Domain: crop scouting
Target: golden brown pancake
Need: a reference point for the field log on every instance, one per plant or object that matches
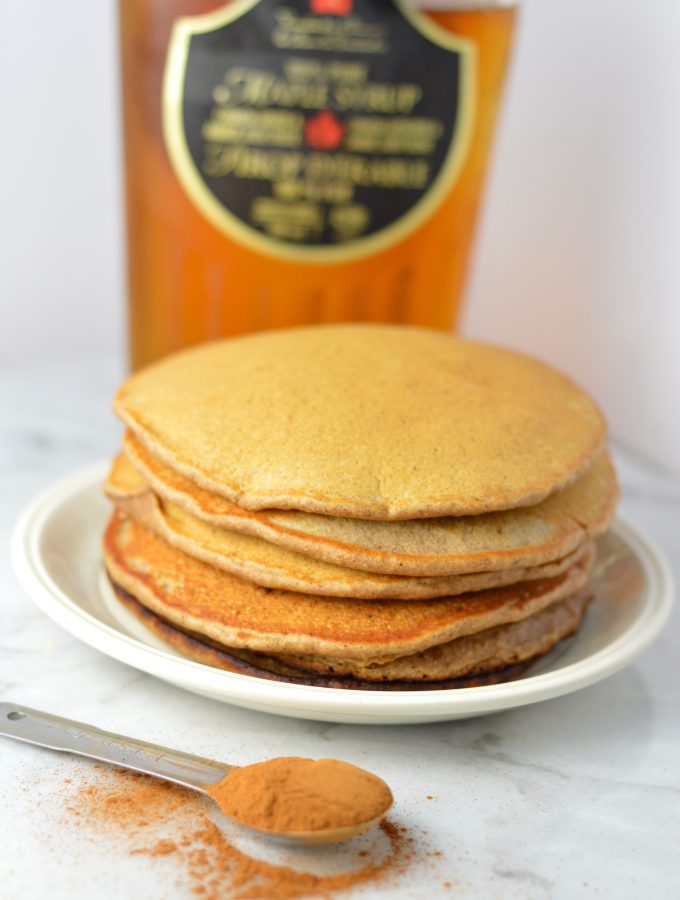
(200, 598)
(211, 654)
(271, 566)
(487, 650)
(364, 421)
(418, 547)
(487, 657)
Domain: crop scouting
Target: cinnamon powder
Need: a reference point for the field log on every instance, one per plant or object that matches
(294, 794)
(147, 817)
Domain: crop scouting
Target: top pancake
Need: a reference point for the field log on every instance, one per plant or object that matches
(366, 421)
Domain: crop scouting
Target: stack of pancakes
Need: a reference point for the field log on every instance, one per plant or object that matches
(366, 506)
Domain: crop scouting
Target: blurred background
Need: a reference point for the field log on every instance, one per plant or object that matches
(577, 258)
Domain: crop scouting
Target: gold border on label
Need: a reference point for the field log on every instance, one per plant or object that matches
(218, 215)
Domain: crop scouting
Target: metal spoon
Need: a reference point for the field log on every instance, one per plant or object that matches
(195, 772)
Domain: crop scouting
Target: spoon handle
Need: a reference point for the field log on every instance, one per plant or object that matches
(45, 730)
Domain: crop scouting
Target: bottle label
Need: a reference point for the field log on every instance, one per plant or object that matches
(318, 130)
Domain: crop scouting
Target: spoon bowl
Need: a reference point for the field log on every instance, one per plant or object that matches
(323, 836)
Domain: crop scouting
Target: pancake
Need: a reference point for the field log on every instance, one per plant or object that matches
(418, 547)
(275, 567)
(364, 421)
(200, 598)
(483, 656)
(487, 650)
(211, 654)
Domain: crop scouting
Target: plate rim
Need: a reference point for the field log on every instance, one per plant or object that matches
(36, 581)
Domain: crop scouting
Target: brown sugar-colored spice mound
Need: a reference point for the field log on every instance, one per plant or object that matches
(293, 794)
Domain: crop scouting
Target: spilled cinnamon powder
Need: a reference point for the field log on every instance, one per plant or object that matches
(147, 817)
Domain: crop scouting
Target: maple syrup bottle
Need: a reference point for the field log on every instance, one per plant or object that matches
(299, 161)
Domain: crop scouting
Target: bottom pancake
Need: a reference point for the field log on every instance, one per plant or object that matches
(548, 629)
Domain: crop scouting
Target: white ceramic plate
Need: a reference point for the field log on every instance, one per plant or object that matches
(56, 555)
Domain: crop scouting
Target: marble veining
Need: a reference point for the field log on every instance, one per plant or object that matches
(574, 797)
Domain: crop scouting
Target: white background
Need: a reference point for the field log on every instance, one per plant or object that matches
(578, 258)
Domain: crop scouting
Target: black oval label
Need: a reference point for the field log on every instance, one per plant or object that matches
(317, 129)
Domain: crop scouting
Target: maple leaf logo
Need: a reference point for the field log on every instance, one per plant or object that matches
(330, 7)
(324, 131)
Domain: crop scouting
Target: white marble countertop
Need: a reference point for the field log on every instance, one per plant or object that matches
(575, 797)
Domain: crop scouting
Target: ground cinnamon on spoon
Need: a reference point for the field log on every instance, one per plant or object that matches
(294, 794)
